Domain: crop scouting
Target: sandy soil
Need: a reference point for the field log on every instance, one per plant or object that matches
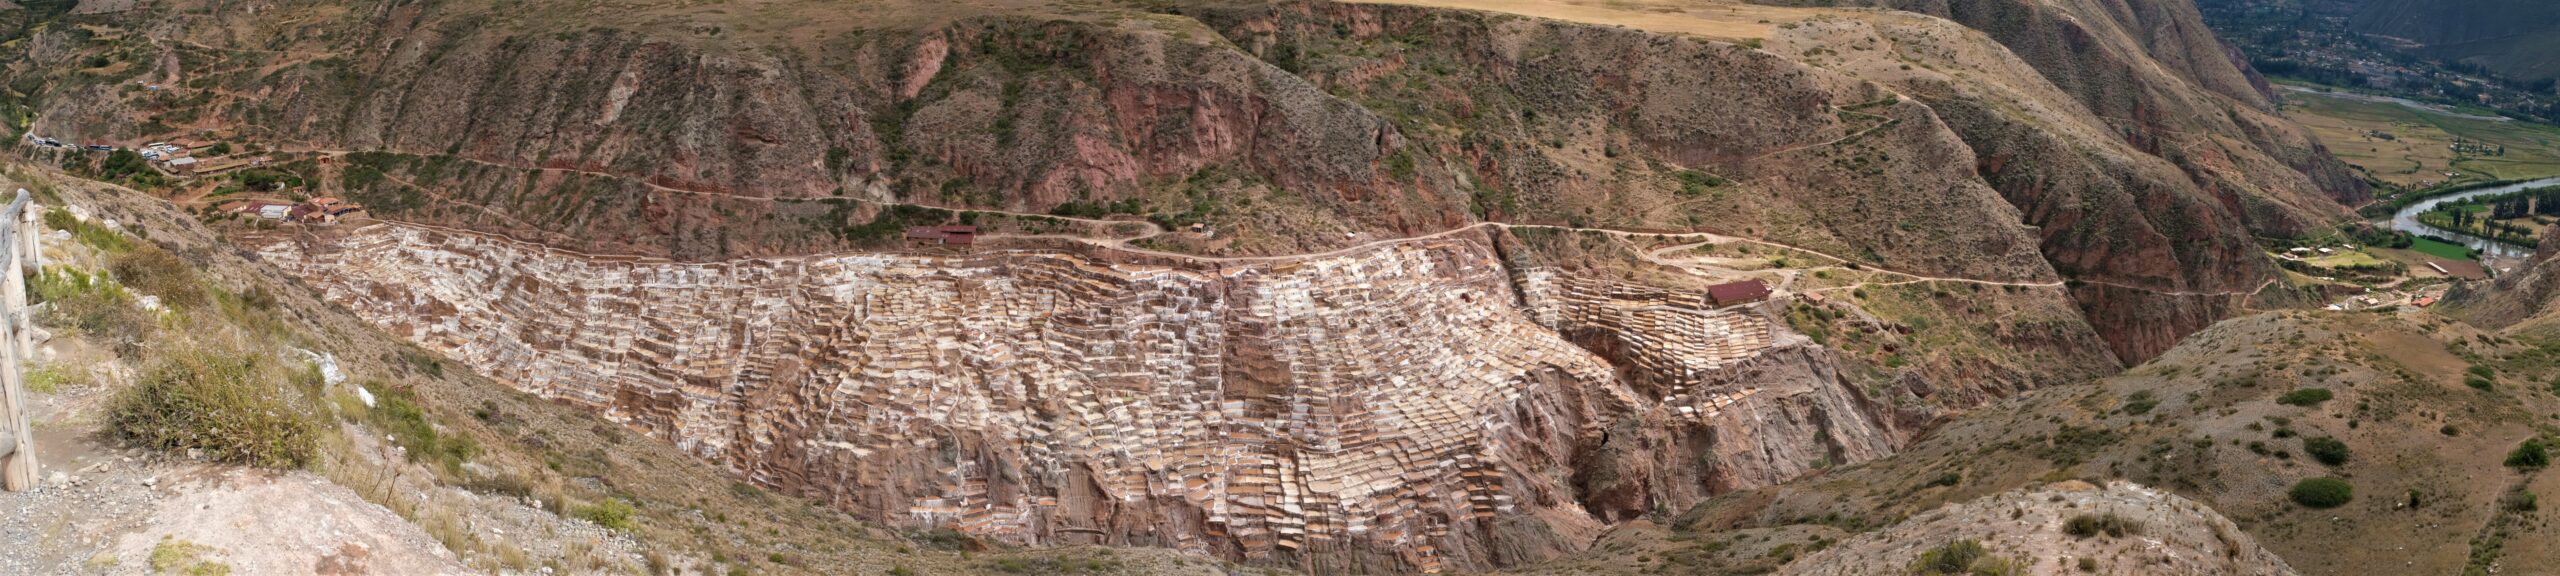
(105, 511)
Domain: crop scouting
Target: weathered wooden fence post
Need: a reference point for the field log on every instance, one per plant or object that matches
(18, 467)
(30, 246)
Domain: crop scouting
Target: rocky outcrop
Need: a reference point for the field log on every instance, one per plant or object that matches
(2517, 301)
(1390, 409)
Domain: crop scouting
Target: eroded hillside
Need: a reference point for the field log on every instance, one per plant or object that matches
(1339, 287)
(2421, 419)
(2144, 157)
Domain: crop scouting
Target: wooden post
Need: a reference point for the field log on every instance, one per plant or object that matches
(18, 470)
(30, 261)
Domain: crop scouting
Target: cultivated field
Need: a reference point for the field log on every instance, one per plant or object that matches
(2419, 152)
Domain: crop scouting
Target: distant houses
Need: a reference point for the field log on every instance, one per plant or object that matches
(316, 211)
(267, 210)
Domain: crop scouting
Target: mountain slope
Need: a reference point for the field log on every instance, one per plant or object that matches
(2130, 530)
(2221, 420)
(2147, 155)
(2510, 37)
(1336, 287)
(743, 136)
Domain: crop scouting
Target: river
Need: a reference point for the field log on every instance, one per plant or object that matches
(2407, 219)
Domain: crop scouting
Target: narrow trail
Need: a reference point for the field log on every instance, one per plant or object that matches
(1153, 230)
(653, 185)
(1850, 137)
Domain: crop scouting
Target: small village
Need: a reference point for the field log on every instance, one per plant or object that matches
(199, 165)
(2354, 277)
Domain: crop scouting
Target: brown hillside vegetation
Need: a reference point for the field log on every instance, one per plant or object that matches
(2066, 527)
(2224, 420)
(2145, 155)
(711, 131)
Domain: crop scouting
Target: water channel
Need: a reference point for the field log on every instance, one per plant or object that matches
(2407, 219)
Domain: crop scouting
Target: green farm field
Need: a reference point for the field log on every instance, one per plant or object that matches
(2419, 151)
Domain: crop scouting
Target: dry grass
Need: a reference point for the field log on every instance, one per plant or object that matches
(230, 406)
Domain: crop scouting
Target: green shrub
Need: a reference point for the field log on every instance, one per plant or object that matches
(2479, 383)
(226, 405)
(2322, 492)
(2305, 397)
(1694, 183)
(157, 272)
(93, 307)
(942, 539)
(2530, 455)
(129, 168)
(89, 233)
(611, 513)
(2139, 403)
(1962, 557)
(422, 361)
(50, 378)
(2327, 450)
(185, 558)
(2520, 501)
(2074, 444)
(396, 412)
(2110, 524)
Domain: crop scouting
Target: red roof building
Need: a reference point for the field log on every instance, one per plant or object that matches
(1733, 293)
(948, 235)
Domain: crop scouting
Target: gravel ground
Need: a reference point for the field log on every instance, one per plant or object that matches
(103, 511)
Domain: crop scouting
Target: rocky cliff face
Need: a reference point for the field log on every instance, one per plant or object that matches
(2222, 420)
(1389, 409)
(1284, 129)
(2122, 130)
(2145, 160)
(2519, 301)
(1324, 121)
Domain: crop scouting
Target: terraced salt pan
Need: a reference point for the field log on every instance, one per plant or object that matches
(1373, 397)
